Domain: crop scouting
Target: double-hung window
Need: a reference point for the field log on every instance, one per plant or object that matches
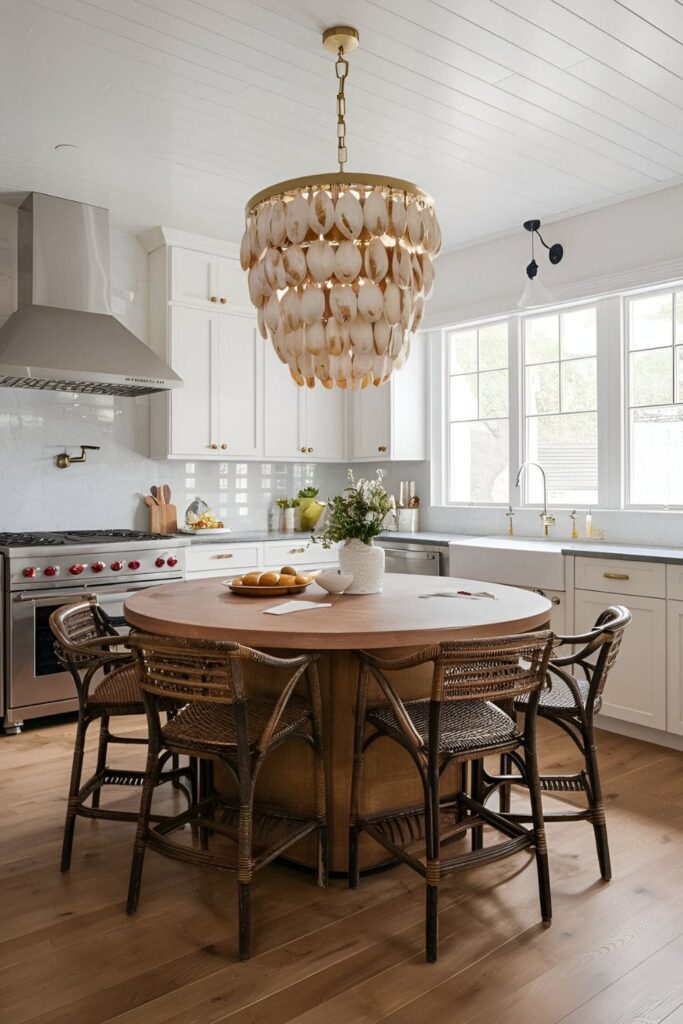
(654, 398)
(477, 433)
(560, 405)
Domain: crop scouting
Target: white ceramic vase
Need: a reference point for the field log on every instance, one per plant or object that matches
(365, 563)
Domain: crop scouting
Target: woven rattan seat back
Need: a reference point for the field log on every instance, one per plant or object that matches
(74, 626)
(191, 670)
(498, 670)
(597, 649)
(181, 672)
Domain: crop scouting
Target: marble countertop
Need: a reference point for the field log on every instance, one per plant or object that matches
(587, 548)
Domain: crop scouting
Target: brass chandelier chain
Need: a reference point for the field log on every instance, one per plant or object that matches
(342, 69)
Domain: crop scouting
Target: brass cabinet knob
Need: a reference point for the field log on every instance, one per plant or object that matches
(382, 448)
(224, 446)
(223, 299)
(303, 450)
(214, 298)
(309, 449)
(213, 445)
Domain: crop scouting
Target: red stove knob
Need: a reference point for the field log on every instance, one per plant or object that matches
(117, 566)
(98, 566)
(172, 560)
(29, 572)
(51, 570)
(76, 570)
(134, 564)
(159, 562)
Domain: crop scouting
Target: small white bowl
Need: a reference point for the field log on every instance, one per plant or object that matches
(334, 581)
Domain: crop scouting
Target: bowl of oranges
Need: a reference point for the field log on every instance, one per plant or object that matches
(270, 584)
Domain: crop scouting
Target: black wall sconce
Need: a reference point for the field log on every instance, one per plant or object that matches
(534, 293)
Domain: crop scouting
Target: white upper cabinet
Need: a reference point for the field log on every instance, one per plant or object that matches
(371, 423)
(389, 421)
(213, 346)
(191, 417)
(237, 387)
(323, 423)
(301, 423)
(281, 428)
(206, 279)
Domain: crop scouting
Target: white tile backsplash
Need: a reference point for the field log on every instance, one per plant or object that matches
(107, 492)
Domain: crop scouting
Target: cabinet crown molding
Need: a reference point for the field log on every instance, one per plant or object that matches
(155, 238)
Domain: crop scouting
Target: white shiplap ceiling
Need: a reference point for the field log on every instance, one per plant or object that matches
(181, 109)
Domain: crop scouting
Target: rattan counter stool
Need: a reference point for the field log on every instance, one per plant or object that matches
(217, 721)
(577, 680)
(106, 679)
(458, 724)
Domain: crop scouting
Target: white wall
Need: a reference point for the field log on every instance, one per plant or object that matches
(628, 245)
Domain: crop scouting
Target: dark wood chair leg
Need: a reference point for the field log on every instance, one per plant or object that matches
(432, 829)
(101, 756)
(204, 789)
(596, 805)
(140, 844)
(74, 787)
(244, 911)
(540, 844)
(432, 923)
(505, 789)
(477, 779)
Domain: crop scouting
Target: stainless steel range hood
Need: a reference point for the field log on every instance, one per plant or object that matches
(63, 336)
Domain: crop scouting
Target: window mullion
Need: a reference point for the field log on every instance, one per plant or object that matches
(611, 421)
(515, 420)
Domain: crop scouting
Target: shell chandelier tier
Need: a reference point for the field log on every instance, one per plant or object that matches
(340, 265)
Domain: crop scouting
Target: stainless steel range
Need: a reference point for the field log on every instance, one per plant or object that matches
(41, 571)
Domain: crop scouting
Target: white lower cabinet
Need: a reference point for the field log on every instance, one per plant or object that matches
(216, 559)
(209, 559)
(674, 666)
(636, 689)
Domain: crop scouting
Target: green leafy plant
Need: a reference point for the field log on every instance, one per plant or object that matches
(308, 492)
(358, 513)
(287, 502)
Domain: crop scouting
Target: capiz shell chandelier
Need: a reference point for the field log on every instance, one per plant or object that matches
(340, 265)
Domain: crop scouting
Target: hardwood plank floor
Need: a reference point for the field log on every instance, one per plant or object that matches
(68, 953)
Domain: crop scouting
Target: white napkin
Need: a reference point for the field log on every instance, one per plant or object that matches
(295, 606)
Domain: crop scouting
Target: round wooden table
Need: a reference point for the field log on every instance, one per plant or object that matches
(397, 618)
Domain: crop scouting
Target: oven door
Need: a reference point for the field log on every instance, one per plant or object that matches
(34, 674)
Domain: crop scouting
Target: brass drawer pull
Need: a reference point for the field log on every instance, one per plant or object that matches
(381, 448)
(229, 555)
(616, 576)
(297, 551)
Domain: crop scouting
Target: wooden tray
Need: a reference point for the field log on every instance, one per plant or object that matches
(294, 588)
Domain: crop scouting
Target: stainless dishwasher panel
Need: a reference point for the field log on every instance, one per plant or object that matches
(414, 559)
